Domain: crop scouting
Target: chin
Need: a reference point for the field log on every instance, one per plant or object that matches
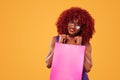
(72, 34)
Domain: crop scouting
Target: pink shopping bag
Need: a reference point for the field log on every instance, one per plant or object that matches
(67, 62)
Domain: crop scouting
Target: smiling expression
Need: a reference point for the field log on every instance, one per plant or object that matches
(73, 27)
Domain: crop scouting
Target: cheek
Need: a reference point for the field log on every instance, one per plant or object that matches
(77, 31)
(68, 28)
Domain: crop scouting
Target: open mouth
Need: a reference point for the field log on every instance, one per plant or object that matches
(72, 30)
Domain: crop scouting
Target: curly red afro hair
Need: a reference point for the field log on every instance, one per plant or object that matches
(85, 20)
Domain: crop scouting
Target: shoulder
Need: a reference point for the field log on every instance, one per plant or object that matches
(53, 41)
(88, 47)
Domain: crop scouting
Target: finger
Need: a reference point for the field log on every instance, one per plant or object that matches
(67, 36)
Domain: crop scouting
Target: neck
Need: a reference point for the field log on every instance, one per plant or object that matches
(72, 35)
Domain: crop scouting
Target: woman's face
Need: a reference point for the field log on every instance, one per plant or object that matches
(73, 27)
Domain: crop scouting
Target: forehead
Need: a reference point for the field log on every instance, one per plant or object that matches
(74, 21)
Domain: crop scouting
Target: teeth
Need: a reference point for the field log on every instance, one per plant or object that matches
(72, 29)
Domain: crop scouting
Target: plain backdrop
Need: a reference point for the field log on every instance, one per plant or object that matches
(26, 29)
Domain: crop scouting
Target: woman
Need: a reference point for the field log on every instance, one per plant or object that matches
(75, 26)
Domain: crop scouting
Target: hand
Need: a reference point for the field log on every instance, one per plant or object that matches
(63, 38)
(78, 40)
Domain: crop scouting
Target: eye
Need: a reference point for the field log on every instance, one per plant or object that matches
(71, 24)
(77, 27)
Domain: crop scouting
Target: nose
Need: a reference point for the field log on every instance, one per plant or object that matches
(73, 25)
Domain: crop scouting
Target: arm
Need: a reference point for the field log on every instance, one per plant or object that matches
(52, 45)
(87, 58)
(50, 54)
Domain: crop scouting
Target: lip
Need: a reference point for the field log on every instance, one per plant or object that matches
(71, 29)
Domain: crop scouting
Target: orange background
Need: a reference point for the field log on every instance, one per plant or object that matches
(27, 26)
